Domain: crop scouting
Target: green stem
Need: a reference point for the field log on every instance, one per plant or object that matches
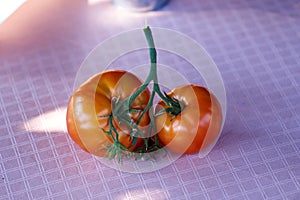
(153, 70)
(149, 105)
(121, 109)
(175, 106)
(111, 126)
(152, 76)
(149, 37)
(131, 99)
(153, 56)
(160, 94)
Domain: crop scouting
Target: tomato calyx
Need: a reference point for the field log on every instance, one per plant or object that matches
(176, 105)
(117, 149)
(121, 111)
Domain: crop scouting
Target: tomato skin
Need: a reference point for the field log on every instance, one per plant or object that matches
(94, 99)
(201, 118)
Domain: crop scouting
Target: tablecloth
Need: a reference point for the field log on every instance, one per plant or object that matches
(255, 45)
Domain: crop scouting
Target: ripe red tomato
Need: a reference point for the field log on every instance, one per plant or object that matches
(93, 101)
(200, 118)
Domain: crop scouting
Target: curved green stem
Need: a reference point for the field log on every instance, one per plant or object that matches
(153, 73)
(149, 105)
(152, 76)
(160, 94)
(112, 128)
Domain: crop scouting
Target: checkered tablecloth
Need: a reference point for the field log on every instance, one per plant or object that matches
(256, 46)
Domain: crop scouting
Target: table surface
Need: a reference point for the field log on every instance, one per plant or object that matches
(255, 45)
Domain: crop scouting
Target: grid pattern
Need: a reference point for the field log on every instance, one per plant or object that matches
(255, 44)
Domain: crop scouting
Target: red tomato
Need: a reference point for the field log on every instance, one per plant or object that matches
(93, 100)
(200, 118)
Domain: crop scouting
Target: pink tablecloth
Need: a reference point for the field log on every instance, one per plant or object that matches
(255, 45)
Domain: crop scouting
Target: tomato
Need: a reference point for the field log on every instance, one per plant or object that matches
(199, 119)
(92, 103)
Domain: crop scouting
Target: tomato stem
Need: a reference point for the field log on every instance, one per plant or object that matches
(175, 105)
(112, 128)
(121, 109)
(152, 76)
(149, 105)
